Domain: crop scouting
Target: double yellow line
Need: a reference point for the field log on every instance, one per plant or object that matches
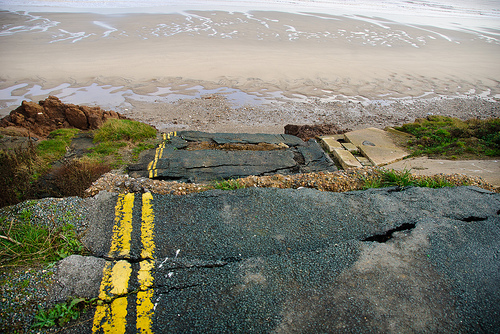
(153, 172)
(110, 316)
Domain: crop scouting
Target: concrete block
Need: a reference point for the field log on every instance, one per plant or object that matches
(376, 145)
(364, 161)
(345, 158)
(330, 143)
(350, 147)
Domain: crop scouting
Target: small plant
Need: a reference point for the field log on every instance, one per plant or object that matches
(391, 178)
(228, 185)
(61, 313)
(22, 242)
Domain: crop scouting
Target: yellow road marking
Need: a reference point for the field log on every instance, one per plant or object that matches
(122, 230)
(111, 317)
(145, 307)
(145, 295)
(148, 246)
(153, 172)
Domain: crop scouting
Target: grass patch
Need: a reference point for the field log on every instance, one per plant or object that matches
(54, 147)
(392, 178)
(228, 185)
(24, 243)
(142, 147)
(124, 129)
(22, 167)
(61, 313)
(28, 173)
(120, 141)
(440, 136)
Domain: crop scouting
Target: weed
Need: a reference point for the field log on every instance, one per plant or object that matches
(25, 215)
(17, 174)
(451, 137)
(22, 242)
(391, 178)
(74, 177)
(228, 185)
(61, 313)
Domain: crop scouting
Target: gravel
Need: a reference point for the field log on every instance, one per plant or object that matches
(24, 289)
(339, 181)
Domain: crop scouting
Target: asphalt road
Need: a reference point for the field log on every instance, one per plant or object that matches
(290, 261)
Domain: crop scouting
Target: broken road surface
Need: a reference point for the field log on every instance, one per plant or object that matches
(286, 261)
(230, 155)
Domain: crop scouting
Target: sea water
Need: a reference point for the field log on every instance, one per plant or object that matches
(426, 22)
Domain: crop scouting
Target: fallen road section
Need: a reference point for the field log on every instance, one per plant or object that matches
(194, 156)
(290, 260)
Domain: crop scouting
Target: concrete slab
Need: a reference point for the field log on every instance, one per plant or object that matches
(345, 158)
(364, 161)
(376, 145)
(350, 147)
(489, 170)
(338, 137)
(330, 143)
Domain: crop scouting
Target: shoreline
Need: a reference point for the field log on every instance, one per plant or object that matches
(235, 71)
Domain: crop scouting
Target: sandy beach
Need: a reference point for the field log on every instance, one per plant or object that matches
(249, 71)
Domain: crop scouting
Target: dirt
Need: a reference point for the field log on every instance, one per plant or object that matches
(306, 132)
(207, 145)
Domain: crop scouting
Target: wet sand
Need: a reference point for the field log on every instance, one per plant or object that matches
(311, 68)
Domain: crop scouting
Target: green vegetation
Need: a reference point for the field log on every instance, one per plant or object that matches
(143, 147)
(61, 313)
(448, 137)
(391, 178)
(54, 147)
(118, 142)
(20, 168)
(77, 175)
(123, 129)
(116, 136)
(228, 185)
(22, 242)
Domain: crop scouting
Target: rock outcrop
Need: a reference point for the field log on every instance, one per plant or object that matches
(50, 114)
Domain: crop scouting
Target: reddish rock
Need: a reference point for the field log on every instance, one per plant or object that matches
(76, 117)
(50, 114)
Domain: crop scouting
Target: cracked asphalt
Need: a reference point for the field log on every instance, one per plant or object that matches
(290, 261)
(285, 154)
